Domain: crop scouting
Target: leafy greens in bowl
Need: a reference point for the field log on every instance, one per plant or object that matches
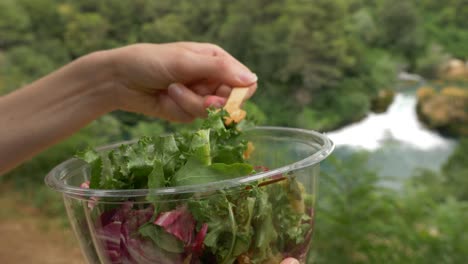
(220, 194)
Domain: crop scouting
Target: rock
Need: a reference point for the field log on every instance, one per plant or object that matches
(454, 69)
(382, 101)
(409, 77)
(425, 93)
(446, 111)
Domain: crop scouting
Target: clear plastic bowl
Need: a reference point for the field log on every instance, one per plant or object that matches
(277, 221)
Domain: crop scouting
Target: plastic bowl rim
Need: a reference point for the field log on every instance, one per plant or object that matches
(326, 149)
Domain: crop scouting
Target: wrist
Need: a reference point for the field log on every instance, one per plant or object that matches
(98, 73)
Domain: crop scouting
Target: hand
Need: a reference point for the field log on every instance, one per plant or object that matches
(171, 81)
(176, 81)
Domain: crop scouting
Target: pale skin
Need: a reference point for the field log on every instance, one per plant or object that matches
(174, 81)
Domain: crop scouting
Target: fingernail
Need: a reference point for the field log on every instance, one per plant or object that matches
(218, 103)
(176, 89)
(248, 77)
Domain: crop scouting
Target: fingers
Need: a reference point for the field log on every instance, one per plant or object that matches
(205, 48)
(224, 70)
(252, 89)
(210, 62)
(192, 103)
(171, 110)
(186, 99)
(158, 105)
(223, 91)
(204, 88)
(214, 101)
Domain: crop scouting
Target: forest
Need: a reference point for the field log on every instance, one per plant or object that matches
(321, 65)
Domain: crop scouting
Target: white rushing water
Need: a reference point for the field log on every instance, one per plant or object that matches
(399, 123)
(399, 143)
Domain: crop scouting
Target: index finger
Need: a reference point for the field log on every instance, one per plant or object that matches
(218, 53)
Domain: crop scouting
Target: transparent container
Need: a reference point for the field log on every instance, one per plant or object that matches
(259, 218)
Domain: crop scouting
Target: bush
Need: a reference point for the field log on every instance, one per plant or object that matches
(255, 113)
(320, 121)
(15, 24)
(143, 128)
(352, 107)
(22, 65)
(359, 221)
(428, 65)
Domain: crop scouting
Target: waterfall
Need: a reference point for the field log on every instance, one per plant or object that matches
(399, 123)
(399, 143)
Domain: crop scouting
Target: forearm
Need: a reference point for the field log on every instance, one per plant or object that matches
(52, 108)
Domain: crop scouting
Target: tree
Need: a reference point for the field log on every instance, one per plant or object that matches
(318, 48)
(446, 23)
(86, 32)
(168, 28)
(22, 65)
(15, 25)
(401, 29)
(45, 20)
(456, 171)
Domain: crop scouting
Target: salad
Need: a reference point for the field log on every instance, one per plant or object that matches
(261, 222)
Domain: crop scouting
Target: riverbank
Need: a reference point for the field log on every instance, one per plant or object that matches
(30, 236)
(444, 111)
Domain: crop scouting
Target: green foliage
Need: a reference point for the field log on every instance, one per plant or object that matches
(445, 23)
(255, 113)
(305, 53)
(333, 110)
(429, 64)
(161, 238)
(401, 28)
(319, 63)
(363, 24)
(352, 211)
(456, 171)
(212, 151)
(23, 65)
(15, 24)
(320, 121)
(359, 221)
(143, 128)
(86, 32)
(45, 20)
(168, 28)
(382, 71)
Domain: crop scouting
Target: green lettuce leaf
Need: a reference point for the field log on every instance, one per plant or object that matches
(156, 177)
(265, 232)
(95, 163)
(161, 238)
(194, 172)
(210, 154)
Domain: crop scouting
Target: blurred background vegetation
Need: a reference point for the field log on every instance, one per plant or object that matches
(322, 64)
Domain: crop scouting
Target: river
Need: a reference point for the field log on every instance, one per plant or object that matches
(399, 143)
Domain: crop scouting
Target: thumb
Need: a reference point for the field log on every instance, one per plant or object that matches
(222, 69)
